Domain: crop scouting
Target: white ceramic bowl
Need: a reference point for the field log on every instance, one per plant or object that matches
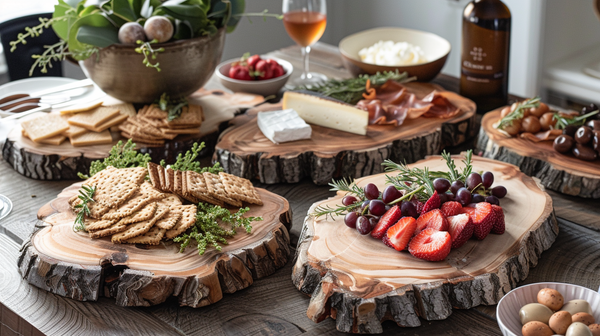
(507, 311)
(262, 87)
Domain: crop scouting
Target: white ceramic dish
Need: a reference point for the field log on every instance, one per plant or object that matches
(34, 84)
(507, 311)
(261, 87)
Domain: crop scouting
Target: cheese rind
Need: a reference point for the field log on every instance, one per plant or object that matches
(283, 126)
(327, 113)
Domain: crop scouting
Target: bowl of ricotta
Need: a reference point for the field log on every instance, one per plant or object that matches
(419, 53)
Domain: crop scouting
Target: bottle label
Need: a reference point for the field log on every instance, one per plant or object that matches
(484, 54)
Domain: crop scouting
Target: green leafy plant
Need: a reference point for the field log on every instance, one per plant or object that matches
(120, 156)
(519, 112)
(86, 195)
(174, 107)
(563, 121)
(188, 161)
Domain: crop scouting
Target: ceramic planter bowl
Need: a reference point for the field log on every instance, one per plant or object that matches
(261, 87)
(436, 50)
(186, 65)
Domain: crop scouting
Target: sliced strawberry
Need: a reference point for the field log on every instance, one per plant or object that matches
(433, 202)
(418, 205)
(400, 233)
(431, 244)
(432, 219)
(469, 210)
(460, 229)
(498, 226)
(451, 208)
(388, 219)
(483, 220)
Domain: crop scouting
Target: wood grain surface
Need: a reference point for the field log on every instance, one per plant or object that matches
(560, 172)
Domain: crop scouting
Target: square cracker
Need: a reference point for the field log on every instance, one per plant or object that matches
(178, 182)
(169, 220)
(81, 108)
(146, 213)
(240, 188)
(170, 131)
(170, 180)
(170, 200)
(196, 186)
(98, 224)
(97, 210)
(44, 127)
(135, 175)
(216, 188)
(154, 112)
(94, 118)
(120, 118)
(188, 219)
(74, 131)
(139, 228)
(125, 108)
(55, 140)
(111, 230)
(153, 173)
(91, 138)
(152, 237)
(145, 195)
(190, 117)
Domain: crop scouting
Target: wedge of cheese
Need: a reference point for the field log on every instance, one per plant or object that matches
(327, 113)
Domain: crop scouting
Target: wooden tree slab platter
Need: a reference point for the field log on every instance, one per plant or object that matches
(560, 172)
(71, 264)
(244, 151)
(63, 162)
(360, 282)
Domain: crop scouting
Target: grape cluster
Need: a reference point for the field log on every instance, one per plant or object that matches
(375, 204)
(478, 188)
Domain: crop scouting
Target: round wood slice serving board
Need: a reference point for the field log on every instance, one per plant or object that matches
(560, 172)
(71, 264)
(63, 162)
(360, 282)
(243, 150)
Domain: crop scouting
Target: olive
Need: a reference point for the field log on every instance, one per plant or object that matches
(158, 28)
(131, 32)
(505, 111)
(590, 108)
(563, 143)
(547, 121)
(513, 128)
(583, 135)
(531, 124)
(584, 153)
(570, 130)
(596, 141)
(593, 124)
(540, 110)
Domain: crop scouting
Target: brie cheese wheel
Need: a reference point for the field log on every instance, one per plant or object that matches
(283, 126)
(327, 113)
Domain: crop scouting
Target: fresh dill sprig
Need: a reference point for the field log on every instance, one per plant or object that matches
(519, 112)
(86, 195)
(120, 156)
(188, 161)
(208, 232)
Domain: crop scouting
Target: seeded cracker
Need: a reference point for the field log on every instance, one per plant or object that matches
(152, 237)
(240, 188)
(161, 178)
(145, 195)
(170, 180)
(170, 200)
(115, 228)
(139, 228)
(44, 127)
(178, 182)
(184, 189)
(169, 220)
(97, 210)
(153, 173)
(188, 218)
(196, 186)
(154, 112)
(216, 188)
(146, 213)
(98, 224)
(112, 193)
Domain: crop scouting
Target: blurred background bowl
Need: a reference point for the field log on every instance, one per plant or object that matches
(261, 87)
(186, 65)
(507, 311)
(435, 48)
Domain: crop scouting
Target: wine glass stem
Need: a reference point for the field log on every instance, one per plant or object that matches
(305, 52)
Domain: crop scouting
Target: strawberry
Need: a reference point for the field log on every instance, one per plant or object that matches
(400, 233)
(432, 219)
(431, 244)
(499, 226)
(252, 60)
(388, 219)
(469, 210)
(418, 205)
(451, 208)
(433, 202)
(483, 220)
(240, 72)
(460, 229)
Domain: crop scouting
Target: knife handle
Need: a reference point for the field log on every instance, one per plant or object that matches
(12, 97)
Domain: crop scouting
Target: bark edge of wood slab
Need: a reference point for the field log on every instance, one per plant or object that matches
(563, 173)
(70, 264)
(244, 151)
(364, 283)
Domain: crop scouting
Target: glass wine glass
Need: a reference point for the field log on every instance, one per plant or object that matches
(305, 22)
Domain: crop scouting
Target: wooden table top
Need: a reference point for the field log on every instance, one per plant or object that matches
(271, 306)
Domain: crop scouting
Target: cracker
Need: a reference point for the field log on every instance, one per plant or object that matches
(91, 138)
(98, 224)
(161, 177)
(139, 133)
(190, 117)
(178, 182)
(169, 136)
(97, 210)
(216, 188)
(94, 118)
(240, 188)
(125, 108)
(55, 140)
(169, 220)
(170, 200)
(113, 194)
(153, 173)
(74, 131)
(170, 180)
(127, 127)
(81, 108)
(139, 228)
(152, 237)
(44, 127)
(196, 186)
(167, 131)
(99, 176)
(154, 112)
(145, 195)
(146, 213)
(120, 118)
(115, 228)
(154, 122)
(188, 219)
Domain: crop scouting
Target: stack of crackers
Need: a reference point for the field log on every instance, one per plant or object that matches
(218, 189)
(84, 126)
(151, 126)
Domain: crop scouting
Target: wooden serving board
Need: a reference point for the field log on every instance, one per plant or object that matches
(48, 162)
(360, 282)
(244, 151)
(71, 264)
(560, 172)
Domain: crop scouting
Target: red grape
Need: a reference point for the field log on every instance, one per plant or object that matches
(373, 220)
(363, 225)
(492, 200)
(463, 195)
(409, 209)
(350, 219)
(477, 198)
(473, 180)
(487, 179)
(456, 185)
(377, 207)
(348, 199)
(499, 191)
(390, 193)
(441, 185)
(371, 191)
(443, 198)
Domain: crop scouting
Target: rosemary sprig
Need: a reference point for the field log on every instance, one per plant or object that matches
(351, 90)
(208, 232)
(452, 172)
(409, 179)
(468, 161)
(86, 195)
(146, 49)
(120, 156)
(188, 161)
(348, 186)
(518, 113)
(563, 121)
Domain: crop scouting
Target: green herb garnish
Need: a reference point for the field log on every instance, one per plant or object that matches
(519, 112)
(174, 107)
(149, 53)
(188, 161)
(351, 90)
(120, 156)
(207, 231)
(563, 121)
(86, 195)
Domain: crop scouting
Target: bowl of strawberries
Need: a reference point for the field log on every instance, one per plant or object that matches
(254, 74)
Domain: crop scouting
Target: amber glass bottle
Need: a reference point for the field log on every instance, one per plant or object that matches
(484, 55)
